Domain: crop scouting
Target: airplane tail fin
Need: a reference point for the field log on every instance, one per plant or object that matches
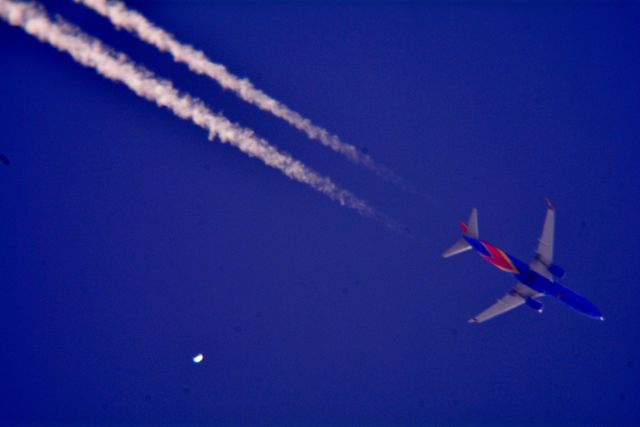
(470, 229)
(472, 225)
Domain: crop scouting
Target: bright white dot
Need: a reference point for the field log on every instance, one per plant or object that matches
(198, 358)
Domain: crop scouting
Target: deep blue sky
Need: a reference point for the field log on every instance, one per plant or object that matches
(129, 243)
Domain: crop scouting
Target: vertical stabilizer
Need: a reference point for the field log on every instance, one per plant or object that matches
(472, 225)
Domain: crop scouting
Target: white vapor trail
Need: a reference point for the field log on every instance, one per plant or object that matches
(117, 67)
(134, 22)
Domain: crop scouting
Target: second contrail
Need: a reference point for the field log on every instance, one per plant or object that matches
(116, 66)
(136, 23)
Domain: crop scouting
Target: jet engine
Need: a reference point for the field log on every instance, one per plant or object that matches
(556, 270)
(535, 304)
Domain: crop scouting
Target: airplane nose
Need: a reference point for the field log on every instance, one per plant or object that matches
(581, 304)
(595, 313)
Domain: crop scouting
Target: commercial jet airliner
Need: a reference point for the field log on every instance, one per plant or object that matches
(533, 281)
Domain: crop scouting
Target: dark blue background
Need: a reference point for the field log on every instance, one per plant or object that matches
(129, 243)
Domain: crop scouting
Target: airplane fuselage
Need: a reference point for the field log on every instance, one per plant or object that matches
(525, 275)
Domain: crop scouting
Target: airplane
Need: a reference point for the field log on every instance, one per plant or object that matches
(533, 280)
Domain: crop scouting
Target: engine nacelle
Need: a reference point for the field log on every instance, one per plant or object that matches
(535, 304)
(556, 270)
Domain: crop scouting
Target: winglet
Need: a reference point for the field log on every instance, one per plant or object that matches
(549, 204)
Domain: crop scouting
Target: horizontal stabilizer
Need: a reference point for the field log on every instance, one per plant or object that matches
(457, 248)
(469, 229)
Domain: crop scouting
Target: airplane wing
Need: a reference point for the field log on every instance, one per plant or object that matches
(544, 252)
(509, 301)
(512, 299)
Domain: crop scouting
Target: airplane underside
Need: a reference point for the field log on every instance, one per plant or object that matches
(542, 286)
(534, 280)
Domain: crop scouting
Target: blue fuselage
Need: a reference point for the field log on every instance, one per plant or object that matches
(525, 275)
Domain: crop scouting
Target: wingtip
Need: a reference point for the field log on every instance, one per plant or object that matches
(602, 318)
(549, 204)
(473, 320)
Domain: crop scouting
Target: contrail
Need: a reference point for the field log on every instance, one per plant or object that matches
(117, 67)
(198, 62)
